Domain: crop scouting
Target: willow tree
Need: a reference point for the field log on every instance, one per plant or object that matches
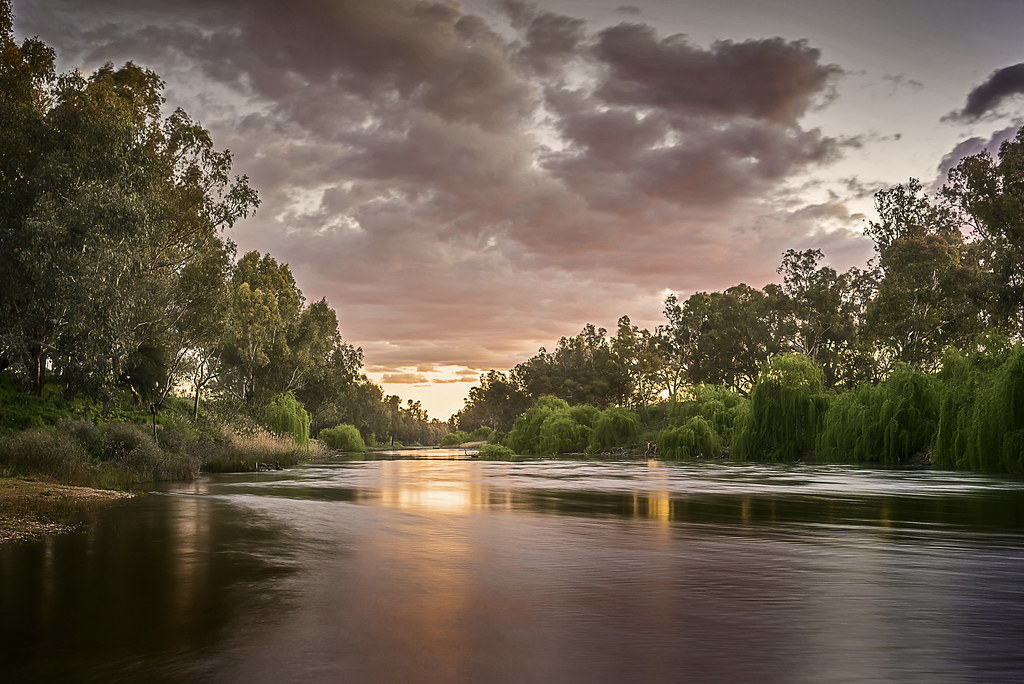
(785, 405)
(285, 415)
(888, 423)
(981, 417)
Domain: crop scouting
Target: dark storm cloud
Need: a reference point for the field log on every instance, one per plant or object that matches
(997, 89)
(463, 194)
(973, 146)
(769, 79)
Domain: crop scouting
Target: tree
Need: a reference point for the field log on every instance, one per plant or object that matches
(826, 315)
(637, 352)
(583, 369)
(265, 304)
(495, 402)
(924, 300)
(109, 208)
(988, 197)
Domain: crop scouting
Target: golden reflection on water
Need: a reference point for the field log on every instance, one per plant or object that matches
(434, 485)
(655, 503)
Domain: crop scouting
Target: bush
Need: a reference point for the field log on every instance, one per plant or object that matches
(46, 451)
(343, 438)
(482, 433)
(496, 452)
(455, 438)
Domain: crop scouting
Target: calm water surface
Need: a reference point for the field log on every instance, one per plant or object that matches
(459, 570)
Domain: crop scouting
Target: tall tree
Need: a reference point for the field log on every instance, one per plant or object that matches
(988, 196)
(110, 208)
(924, 300)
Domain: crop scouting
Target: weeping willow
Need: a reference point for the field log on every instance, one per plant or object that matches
(524, 437)
(786, 403)
(343, 438)
(981, 416)
(615, 426)
(695, 438)
(285, 415)
(886, 424)
(561, 434)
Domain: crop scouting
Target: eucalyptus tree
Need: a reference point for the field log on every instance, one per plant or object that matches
(112, 211)
(637, 352)
(827, 315)
(583, 369)
(925, 299)
(495, 402)
(987, 195)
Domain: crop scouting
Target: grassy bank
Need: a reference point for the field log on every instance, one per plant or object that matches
(31, 508)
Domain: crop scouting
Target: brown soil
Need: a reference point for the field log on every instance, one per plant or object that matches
(29, 508)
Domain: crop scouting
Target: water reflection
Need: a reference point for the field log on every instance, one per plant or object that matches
(441, 570)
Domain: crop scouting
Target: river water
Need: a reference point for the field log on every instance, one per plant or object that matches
(429, 567)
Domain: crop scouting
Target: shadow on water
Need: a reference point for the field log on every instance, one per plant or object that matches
(141, 594)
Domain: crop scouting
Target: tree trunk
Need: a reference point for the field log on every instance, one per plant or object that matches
(38, 370)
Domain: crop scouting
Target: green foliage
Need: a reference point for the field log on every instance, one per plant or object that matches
(120, 455)
(981, 419)
(551, 426)
(695, 438)
(496, 452)
(285, 415)
(482, 433)
(887, 423)
(524, 438)
(455, 438)
(343, 438)
(615, 427)
(716, 404)
(561, 434)
(785, 405)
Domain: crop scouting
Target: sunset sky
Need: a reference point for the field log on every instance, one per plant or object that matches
(466, 182)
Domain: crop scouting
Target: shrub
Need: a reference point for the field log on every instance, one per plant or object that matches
(496, 452)
(44, 451)
(482, 433)
(343, 438)
(455, 438)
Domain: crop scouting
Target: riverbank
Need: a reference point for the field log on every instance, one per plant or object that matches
(32, 508)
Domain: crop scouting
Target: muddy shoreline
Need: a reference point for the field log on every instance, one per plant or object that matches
(30, 508)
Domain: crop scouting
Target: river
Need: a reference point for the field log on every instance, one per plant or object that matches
(430, 567)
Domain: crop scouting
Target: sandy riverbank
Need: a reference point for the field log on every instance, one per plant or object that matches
(32, 509)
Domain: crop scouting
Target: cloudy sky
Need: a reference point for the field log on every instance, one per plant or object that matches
(466, 182)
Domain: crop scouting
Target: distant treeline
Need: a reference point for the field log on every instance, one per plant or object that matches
(117, 282)
(917, 354)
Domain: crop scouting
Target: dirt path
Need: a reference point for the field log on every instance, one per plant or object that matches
(31, 509)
